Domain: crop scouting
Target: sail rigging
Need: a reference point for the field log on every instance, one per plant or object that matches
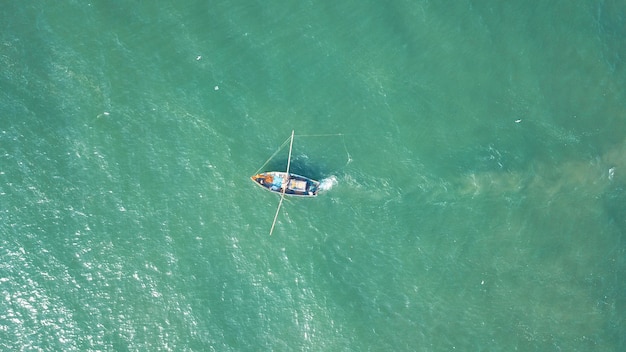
(285, 183)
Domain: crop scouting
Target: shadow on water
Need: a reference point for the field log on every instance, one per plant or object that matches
(299, 165)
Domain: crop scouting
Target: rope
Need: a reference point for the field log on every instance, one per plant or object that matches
(321, 135)
(347, 152)
(273, 155)
(343, 139)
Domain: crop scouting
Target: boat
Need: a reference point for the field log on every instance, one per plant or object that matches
(289, 184)
(286, 183)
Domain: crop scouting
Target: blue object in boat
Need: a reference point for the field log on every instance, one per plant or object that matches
(277, 182)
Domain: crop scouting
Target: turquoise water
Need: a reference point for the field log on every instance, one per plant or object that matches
(478, 148)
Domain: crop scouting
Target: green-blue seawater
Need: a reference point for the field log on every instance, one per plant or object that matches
(479, 149)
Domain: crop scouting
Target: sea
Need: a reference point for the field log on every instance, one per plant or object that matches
(474, 153)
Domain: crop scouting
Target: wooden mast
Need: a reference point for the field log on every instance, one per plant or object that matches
(285, 184)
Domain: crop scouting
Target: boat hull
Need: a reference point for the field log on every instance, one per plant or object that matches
(293, 185)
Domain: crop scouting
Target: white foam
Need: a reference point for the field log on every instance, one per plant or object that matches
(328, 183)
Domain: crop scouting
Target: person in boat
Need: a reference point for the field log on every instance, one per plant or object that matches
(265, 179)
(276, 183)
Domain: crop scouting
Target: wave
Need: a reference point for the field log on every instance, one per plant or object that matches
(328, 183)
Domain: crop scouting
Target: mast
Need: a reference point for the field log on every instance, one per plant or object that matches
(286, 183)
(289, 158)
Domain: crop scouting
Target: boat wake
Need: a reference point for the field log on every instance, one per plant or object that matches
(328, 183)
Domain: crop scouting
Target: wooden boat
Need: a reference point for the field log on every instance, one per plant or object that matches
(289, 184)
(286, 184)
